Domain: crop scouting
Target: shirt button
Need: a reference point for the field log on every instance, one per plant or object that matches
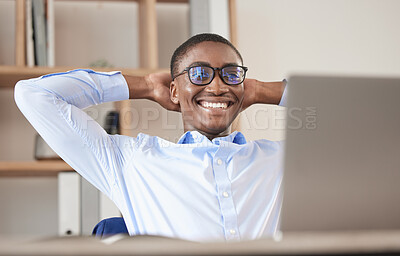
(225, 194)
(232, 231)
(219, 161)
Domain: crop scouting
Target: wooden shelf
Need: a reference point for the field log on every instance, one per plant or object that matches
(10, 75)
(34, 168)
(158, 1)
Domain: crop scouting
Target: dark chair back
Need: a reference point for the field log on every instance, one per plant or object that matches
(109, 227)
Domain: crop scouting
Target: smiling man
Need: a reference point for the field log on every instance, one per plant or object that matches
(211, 185)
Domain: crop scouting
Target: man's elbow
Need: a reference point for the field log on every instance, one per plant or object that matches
(23, 93)
(20, 93)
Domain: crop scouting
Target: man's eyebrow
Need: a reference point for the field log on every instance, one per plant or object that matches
(231, 64)
(200, 63)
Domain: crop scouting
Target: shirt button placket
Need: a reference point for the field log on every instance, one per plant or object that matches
(225, 198)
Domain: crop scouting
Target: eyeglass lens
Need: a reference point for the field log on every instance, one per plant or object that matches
(202, 75)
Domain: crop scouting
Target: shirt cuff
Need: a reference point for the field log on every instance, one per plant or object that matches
(114, 87)
(282, 103)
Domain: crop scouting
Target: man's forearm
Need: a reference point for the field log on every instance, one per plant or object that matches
(138, 87)
(270, 92)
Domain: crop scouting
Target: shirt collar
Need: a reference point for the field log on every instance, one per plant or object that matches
(190, 137)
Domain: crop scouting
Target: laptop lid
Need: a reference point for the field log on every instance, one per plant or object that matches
(342, 160)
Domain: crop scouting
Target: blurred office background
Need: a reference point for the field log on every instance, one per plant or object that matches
(276, 39)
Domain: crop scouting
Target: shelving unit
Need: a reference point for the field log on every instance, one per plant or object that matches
(34, 168)
(9, 75)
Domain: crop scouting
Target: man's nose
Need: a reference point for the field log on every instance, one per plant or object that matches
(217, 86)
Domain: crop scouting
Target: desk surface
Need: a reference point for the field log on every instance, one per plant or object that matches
(305, 243)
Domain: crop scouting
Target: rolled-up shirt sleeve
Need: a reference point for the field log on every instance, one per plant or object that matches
(53, 105)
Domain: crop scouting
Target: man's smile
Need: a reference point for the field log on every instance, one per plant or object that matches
(215, 104)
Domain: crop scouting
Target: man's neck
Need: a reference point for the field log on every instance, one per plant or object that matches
(211, 136)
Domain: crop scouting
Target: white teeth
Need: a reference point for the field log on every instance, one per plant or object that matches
(214, 105)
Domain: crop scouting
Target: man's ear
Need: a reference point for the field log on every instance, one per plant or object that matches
(174, 92)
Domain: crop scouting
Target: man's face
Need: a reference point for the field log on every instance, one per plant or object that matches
(199, 104)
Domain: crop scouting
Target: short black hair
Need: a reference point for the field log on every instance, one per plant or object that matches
(193, 41)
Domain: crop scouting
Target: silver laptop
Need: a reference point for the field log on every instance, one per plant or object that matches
(342, 161)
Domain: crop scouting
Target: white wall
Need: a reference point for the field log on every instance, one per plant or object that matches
(280, 38)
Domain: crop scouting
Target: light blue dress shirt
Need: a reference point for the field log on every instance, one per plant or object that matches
(226, 189)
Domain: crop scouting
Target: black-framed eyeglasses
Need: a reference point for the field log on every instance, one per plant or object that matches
(203, 75)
